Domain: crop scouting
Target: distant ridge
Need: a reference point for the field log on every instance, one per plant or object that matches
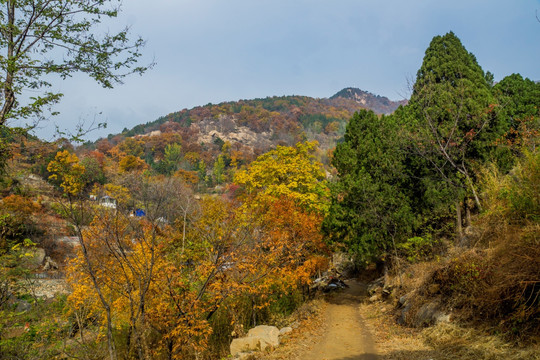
(258, 125)
(379, 104)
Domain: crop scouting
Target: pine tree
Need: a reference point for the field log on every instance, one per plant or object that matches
(451, 115)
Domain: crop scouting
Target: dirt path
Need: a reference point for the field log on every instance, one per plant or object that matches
(342, 334)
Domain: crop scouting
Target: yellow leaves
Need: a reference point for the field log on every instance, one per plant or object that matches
(117, 192)
(286, 172)
(66, 169)
(131, 163)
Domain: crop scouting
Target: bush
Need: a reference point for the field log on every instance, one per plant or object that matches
(418, 248)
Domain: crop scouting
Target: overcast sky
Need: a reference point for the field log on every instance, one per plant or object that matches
(225, 50)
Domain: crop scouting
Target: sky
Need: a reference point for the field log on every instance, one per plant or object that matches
(211, 51)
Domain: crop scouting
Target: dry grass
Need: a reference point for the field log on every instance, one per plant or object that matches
(409, 277)
(449, 341)
(392, 341)
(453, 341)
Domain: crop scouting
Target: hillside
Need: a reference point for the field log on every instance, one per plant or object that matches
(262, 123)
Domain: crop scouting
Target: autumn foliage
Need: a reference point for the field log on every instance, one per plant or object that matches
(158, 284)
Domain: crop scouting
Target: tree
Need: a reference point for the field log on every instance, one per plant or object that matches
(519, 117)
(218, 170)
(287, 172)
(68, 172)
(451, 114)
(131, 163)
(51, 37)
(371, 206)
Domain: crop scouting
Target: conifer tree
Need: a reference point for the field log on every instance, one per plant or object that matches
(451, 115)
(370, 207)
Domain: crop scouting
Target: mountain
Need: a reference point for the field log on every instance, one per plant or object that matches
(249, 127)
(379, 104)
(258, 124)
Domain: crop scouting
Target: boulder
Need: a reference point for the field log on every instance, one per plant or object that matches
(375, 286)
(269, 334)
(426, 314)
(38, 256)
(246, 344)
(404, 316)
(327, 283)
(403, 299)
(442, 318)
(430, 314)
(260, 338)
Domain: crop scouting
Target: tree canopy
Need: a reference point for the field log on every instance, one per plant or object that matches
(41, 38)
(370, 201)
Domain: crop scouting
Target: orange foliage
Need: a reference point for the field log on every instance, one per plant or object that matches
(131, 163)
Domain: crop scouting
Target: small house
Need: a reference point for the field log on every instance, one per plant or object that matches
(108, 202)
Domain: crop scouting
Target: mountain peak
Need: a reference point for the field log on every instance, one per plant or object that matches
(379, 104)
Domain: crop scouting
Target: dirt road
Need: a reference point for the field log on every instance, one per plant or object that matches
(342, 334)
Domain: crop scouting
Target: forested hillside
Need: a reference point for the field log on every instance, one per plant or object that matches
(169, 240)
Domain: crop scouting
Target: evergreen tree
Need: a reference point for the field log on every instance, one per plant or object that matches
(519, 118)
(450, 115)
(370, 207)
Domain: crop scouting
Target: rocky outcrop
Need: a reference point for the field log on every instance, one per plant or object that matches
(427, 314)
(49, 264)
(225, 127)
(379, 104)
(261, 338)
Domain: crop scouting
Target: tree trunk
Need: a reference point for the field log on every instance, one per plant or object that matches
(110, 340)
(9, 95)
(468, 221)
(459, 227)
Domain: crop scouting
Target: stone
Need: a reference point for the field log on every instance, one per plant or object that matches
(270, 334)
(427, 314)
(246, 344)
(442, 318)
(265, 345)
(285, 330)
(260, 338)
(402, 320)
(403, 300)
(375, 286)
(38, 256)
(50, 264)
(23, 305)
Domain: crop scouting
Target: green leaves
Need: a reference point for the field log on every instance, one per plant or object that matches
(43, 38)
(370, 201)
